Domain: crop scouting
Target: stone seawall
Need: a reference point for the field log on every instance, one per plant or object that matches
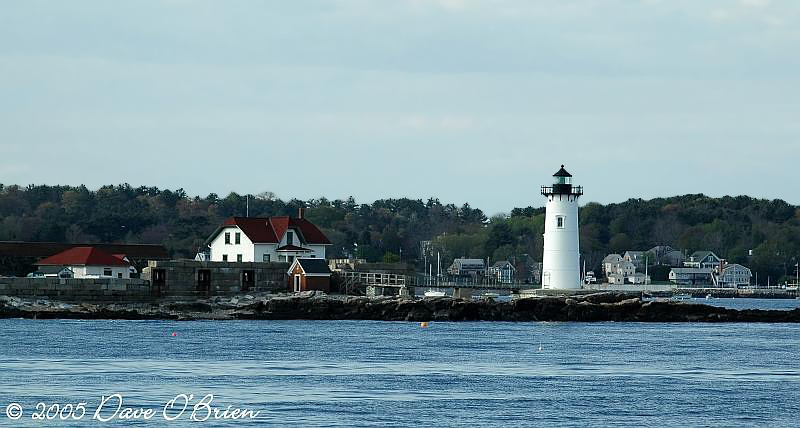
(77, 289)
(590, 308)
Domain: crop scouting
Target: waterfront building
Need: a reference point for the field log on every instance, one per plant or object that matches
(561, 256)
(19, 258)
(86, 262)
(308, 275)
(467, 267)
(272, 239)
(734, 276)
(638, 258)
(502, 272)
(692, 276)
(609, 261)
(703, 260)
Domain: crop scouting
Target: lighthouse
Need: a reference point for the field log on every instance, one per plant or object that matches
(561, 257)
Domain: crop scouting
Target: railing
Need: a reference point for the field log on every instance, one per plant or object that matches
(562, 189)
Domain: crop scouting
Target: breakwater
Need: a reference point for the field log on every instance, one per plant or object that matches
(312, 306)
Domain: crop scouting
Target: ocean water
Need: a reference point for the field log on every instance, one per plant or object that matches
(747, 303)
(363, 373)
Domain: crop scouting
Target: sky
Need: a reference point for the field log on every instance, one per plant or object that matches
(468, 101)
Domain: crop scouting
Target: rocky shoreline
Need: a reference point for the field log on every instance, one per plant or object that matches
(313, 306)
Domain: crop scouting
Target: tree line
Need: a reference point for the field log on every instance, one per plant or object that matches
(394, 229)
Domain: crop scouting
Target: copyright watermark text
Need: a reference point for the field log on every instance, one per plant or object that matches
(113, 408)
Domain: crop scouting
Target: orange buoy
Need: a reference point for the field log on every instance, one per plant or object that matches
(423, 324)
(174, 334)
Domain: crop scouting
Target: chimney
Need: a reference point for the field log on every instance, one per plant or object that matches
(301, 212)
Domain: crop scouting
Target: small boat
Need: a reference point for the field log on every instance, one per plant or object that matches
(681, 297)
(708, 296)
(490, 295)
(434, 293)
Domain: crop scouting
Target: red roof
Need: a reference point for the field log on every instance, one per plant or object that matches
(270, 230)
(83, 256)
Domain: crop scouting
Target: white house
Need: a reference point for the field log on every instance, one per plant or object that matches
(734, 275)
(638, 278)
(624, 268)
(272, 239)
(638, 258)
(692, 276)
(88, 262)
(503, 271)
(608, 262)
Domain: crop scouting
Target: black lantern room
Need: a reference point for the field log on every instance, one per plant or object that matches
(562, 185)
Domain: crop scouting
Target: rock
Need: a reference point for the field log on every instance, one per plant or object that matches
(317, 305)
(189, 307)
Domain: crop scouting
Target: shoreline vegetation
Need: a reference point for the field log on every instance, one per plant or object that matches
(598, 307)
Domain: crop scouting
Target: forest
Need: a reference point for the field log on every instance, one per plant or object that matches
(761, 234)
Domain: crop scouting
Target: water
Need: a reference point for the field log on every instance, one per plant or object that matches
(360, 373)
(747, 303)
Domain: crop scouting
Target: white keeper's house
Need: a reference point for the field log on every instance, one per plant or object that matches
(267, 239)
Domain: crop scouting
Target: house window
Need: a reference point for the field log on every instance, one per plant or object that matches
(266, 257)
(224, 257)
(227, 237)
(106, 271)
(239, 258)
(289, 238)
(238, 238)
(291, 259)
(119, 274)
(281, 258)
(560, 222)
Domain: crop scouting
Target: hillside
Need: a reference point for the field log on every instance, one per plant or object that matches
(729, 226)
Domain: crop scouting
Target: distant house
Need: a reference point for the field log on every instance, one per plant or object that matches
(503, 272)
(692, 276)
(734, 276)
(309, 274)
(467, 267)
(703, 260)
(638, 258)
(273, 239)
(619, 270)
(88, 262)
(624, 268)
(666, 255)
(615, 278)
(609, 261)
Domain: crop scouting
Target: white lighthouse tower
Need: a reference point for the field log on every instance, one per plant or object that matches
(561, 258)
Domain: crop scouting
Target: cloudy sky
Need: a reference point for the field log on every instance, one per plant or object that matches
(464, 100)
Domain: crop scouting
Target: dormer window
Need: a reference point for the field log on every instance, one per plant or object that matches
(289, 238)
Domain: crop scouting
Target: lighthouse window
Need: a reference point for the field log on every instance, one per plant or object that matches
(560, 222)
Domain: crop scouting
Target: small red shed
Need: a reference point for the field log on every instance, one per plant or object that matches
(309, 274)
